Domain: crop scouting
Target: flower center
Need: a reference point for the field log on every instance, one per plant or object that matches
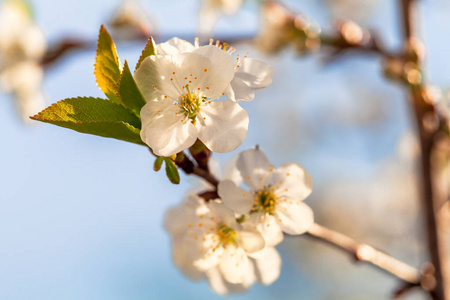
(226, 235)
(265, 201)
(190, 103)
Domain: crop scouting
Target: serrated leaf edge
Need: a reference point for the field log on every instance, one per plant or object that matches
(139, 62)
(103, 28)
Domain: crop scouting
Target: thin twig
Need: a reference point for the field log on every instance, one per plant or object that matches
(68, 45)
(366, 253)
(371, 45)
(188, 167)
(206, 175)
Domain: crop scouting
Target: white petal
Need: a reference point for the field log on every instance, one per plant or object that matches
(154, 74)
(235, 198)
(296, 217)
(268, 266)
(173, 46)
(216, 282)
(222, 214)
(174, 220)
(182, 260)
(231, 172)
(293, 181)
(222, 287)
(270, 229)
(234, 264)
(251, 241)
(255, 168)
(178, 217)
(213, 68)
(255, 73)
(29, 102)
(238, 90)
(168, 133)
(222, 126)
(209, 258)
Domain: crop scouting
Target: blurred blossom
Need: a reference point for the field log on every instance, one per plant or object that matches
(131, 20)
(355, 10)
(212, 10)
(208, 243)
(280, 28)
(22, 46)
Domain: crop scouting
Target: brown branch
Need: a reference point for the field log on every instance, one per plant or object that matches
(206, 175)
(369, 43)
(424, 110)
(366, 253)
(68, 45)
(62, 48)
(186, 164)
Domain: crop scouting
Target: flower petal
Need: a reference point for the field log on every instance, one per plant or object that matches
(183, 261)
(173, 46)
(255, 168)
(231, 172)
(212, 70)
(293, 181)
(209, 259)
(177, 218)
(235, 198)
(268, 266)
(222, 287)
(153, 76)
(296, 217)
(270, 229)
(167, 133)
(238, 90)
(222, 126)
(254, 73)
(251, 241)
(234, 264)
(223, 213)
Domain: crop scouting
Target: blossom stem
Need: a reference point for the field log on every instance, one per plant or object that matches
(206, 175)
(188, 167)
(366, 253)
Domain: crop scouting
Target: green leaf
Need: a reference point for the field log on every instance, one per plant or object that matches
(172, 171)
(93, 116)
(107, 65)
(128, 91)
(150, 49)
(158, 162)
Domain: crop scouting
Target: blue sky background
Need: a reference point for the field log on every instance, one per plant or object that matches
(81, 216)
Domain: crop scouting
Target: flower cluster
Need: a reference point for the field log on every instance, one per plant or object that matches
(181, 84)
(22, 46)
(230, 240)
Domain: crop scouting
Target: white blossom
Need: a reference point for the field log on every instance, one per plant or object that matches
(180, 90)
(250, 74)
(274, 200)
(22, 46)
(208, 243)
